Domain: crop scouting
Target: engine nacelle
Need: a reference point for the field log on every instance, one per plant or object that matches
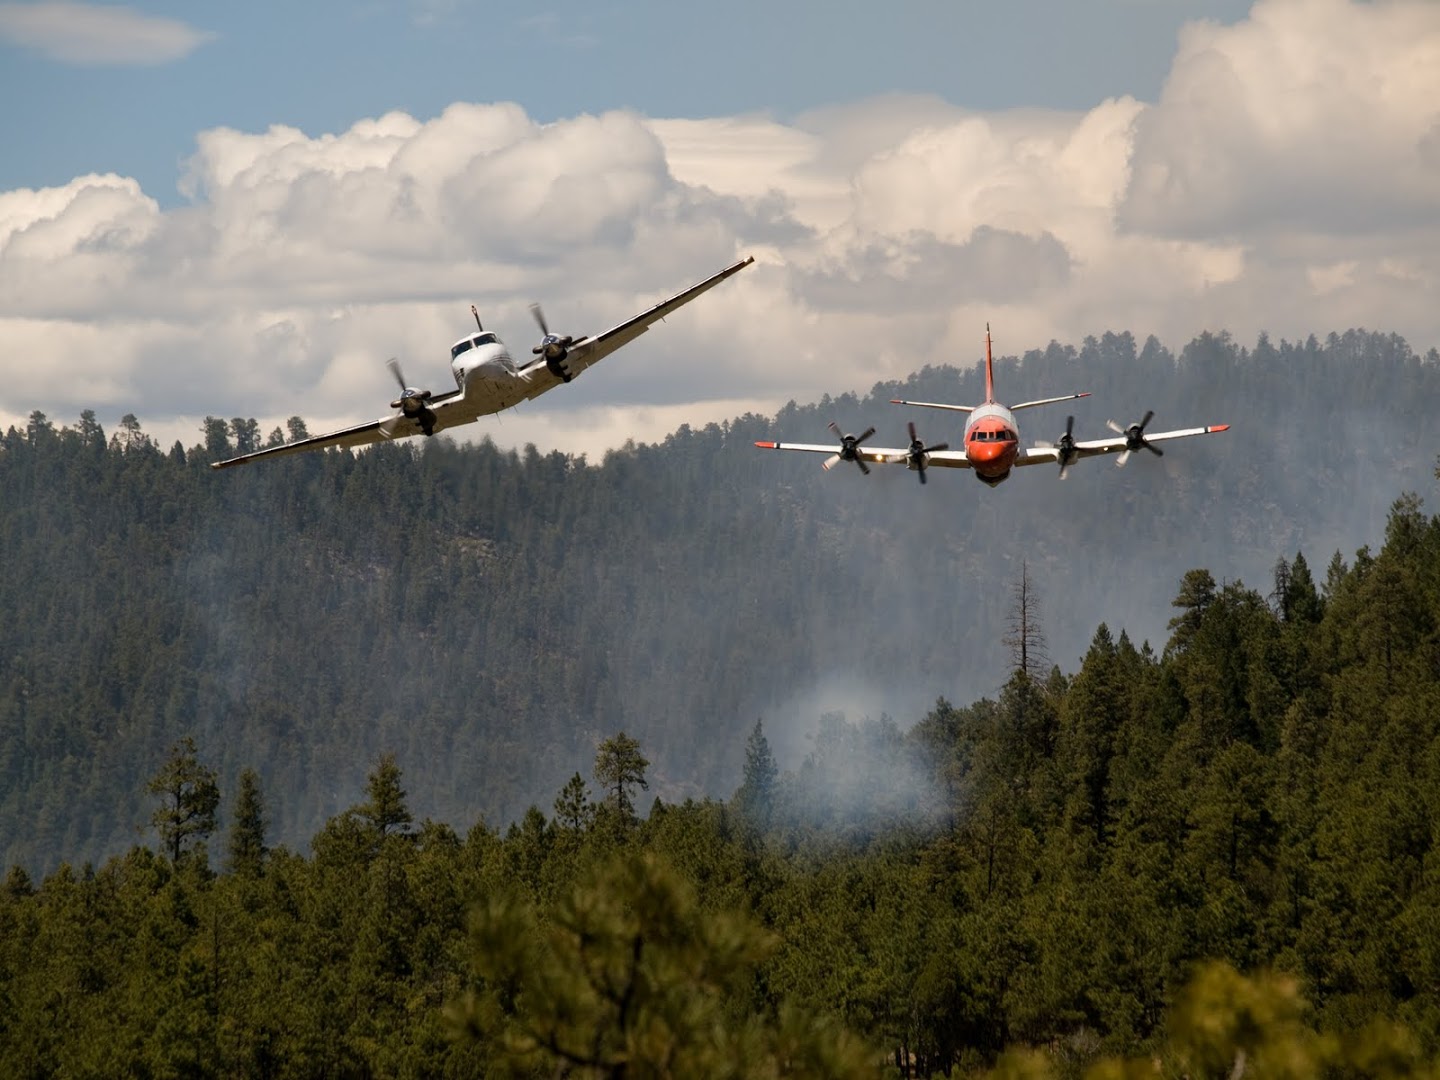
(412, 401)
(559, 365)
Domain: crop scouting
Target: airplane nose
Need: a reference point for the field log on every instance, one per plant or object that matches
(984, 453)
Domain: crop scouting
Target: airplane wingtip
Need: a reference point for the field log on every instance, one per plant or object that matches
(768, 445)
(1219, 427)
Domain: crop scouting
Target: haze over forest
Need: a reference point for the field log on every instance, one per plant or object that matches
(489, 616)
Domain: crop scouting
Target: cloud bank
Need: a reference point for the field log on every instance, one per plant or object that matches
(1287, 180)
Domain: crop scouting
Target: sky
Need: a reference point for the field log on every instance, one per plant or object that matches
(245, 210)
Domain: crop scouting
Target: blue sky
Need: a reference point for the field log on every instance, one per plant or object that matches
(321, 66)
(242, 210)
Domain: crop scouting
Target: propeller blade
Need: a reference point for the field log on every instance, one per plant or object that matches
(836, 429)
(830, 462)
(1124, 457)
(911, 426)
(1154, 449)
(1149, 415)
(539, 314)
(921, 471)
(865, 435)
(394, 366)
(1113, 426)
(863, 467)
(937, 448)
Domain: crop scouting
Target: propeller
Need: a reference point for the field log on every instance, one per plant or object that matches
(1067, 454)
(411, 402)
(1134, 438)
(849, 449)
(1066, 446)
(409, 397)
(552, 345)
(919, 452)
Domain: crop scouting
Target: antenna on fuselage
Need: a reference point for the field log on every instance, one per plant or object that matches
(477, 318)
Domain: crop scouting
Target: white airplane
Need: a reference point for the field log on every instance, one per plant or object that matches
(992, 440)
(487, 380)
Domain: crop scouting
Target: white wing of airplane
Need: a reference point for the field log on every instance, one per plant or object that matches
(1125, 442)
(585, 351)
(451, 409)
(888, 455)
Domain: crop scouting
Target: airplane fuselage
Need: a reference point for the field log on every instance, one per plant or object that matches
(488, 377)
(992, 441)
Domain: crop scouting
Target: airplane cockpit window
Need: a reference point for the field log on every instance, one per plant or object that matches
(469, 343)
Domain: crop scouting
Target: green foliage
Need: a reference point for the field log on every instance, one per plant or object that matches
(483, 613)
(385, 811)
(189, 795)
(755, 798)
(627, 975)
(619, 769)
(247, 831)
(573, 809)
(1065, 877)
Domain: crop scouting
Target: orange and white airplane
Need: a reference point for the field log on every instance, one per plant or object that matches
(992, 440)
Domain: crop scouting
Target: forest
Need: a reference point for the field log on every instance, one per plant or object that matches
(294, 760)
(488, 616)
(1213, 860)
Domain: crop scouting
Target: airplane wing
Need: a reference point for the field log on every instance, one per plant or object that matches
(1114, 444)
(946, 459)
(590, 350)
(1117, 443)
(448, 409)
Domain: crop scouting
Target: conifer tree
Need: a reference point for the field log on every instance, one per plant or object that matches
(630, 976)
(757, 791)
(573, 808)
(385, 810)
(189, 797)
(1024, 636)
(620, 767)
(247, 832)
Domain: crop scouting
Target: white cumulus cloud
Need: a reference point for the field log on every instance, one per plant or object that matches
(1285, 181)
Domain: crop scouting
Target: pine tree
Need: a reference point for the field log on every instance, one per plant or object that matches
(247, 832)
(573, 808)
(620, 767)
(756, 795)
(629, 975)
(1024, 636)
(385, 810)
(189, 797)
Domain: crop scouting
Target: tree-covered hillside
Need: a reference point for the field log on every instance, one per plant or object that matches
(1218, 859)
(489, 616)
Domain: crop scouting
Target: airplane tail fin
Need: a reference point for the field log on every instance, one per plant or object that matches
(989, 373)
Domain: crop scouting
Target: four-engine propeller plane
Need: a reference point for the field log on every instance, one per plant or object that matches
(992, 440)
(487, 380)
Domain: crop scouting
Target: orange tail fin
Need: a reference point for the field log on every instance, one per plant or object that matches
(989, 374)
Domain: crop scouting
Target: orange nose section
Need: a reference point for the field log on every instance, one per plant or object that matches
(985, 453)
